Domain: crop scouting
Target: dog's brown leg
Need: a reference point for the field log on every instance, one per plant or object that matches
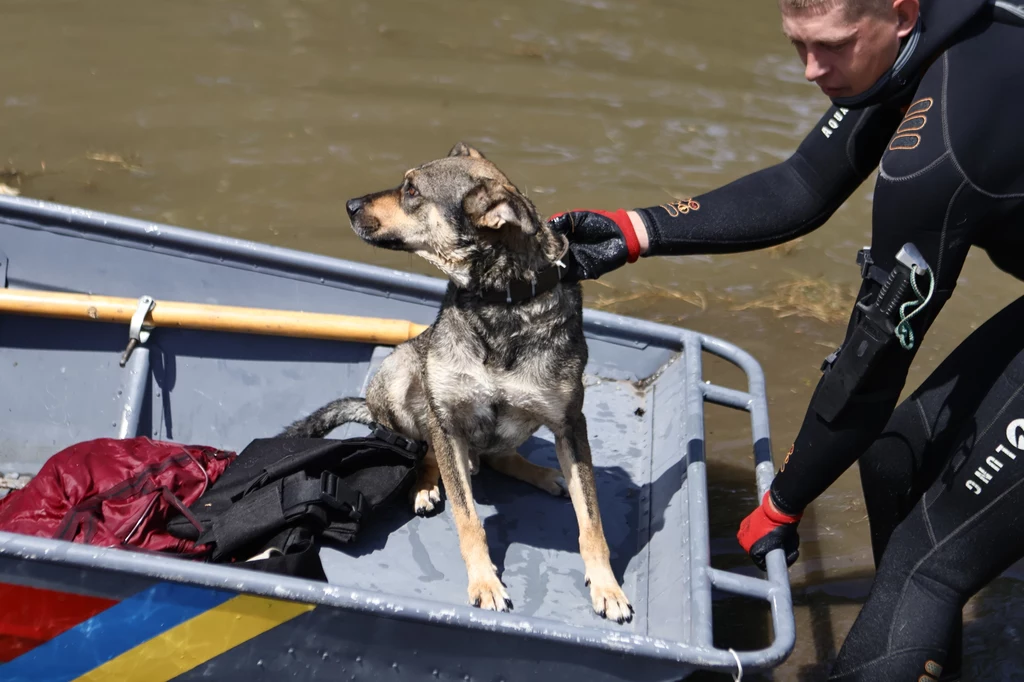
(573, 450)
(426, 493)
(485, 589)
(516, 466)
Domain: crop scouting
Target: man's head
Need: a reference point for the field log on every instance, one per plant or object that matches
(847, 45)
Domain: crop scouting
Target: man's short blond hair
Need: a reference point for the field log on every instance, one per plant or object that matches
(854, 9)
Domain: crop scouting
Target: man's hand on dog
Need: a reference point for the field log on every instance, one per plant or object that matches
(599, 242)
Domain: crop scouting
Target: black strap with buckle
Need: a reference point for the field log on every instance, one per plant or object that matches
(416, 447)
(868, 269)
(335, 494)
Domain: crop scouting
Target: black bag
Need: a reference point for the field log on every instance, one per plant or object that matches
(282, 495)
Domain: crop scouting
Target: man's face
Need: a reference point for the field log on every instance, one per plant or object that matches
(842, 56)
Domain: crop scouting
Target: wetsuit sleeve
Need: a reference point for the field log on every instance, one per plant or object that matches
(781, 202)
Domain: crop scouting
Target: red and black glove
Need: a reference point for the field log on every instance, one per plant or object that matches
(599, 242)
(767, 528)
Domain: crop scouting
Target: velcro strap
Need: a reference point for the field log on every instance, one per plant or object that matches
(868, 269)
(256, 515)
(341, 532)
(298, 498)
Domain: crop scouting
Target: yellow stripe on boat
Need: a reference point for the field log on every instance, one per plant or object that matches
(197, 641)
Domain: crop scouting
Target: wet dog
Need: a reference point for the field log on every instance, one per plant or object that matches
(504, 357)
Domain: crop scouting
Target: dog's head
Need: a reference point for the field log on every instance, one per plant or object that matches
(463, 215)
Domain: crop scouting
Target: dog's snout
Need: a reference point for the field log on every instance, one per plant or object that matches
(354, 206)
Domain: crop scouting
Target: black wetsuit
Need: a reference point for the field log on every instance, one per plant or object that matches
(950, 154)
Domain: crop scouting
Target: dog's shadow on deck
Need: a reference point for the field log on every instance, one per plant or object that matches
(528, 517)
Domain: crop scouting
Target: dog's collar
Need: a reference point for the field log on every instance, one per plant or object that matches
(523, 290)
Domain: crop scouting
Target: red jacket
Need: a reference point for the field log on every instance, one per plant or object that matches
(114, 493)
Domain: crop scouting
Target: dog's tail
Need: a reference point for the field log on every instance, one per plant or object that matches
(329, 417)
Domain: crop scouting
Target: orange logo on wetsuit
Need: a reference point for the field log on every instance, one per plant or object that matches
(906, 136)
(678, 208)
(788, 455)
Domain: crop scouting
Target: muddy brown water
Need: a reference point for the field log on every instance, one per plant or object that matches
(259, 119)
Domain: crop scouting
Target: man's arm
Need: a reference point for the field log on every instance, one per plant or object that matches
(764, 208)
(837, 430)
(781, 202)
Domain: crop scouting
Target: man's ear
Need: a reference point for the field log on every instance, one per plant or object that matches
(493, 206)
(907, 13)
(463, 149)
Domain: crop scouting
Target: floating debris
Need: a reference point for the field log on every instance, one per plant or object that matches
(818, 298)
(130, 164)
(649, 293)
(8, 191)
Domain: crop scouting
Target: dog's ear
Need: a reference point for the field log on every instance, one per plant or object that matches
(494, 205)
(463, 149)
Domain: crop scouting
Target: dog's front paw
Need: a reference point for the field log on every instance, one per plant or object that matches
(425, 501)
(610, 602)
(489, 594)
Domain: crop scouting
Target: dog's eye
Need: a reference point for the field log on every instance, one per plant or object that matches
(411, 192)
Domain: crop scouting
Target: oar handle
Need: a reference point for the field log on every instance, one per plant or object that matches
(222, 318)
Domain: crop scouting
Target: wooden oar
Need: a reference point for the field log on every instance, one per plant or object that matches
(220, 318)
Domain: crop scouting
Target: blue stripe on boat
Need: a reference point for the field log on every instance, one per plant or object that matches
(110, 633)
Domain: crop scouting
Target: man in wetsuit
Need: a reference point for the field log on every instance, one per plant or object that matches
(932, 93)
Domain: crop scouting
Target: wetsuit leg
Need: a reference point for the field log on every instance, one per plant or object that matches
(962, 533)
(915, 446)
(916, 443)
(907, 459)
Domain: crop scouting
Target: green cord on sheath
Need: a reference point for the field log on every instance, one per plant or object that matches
(903, 331)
